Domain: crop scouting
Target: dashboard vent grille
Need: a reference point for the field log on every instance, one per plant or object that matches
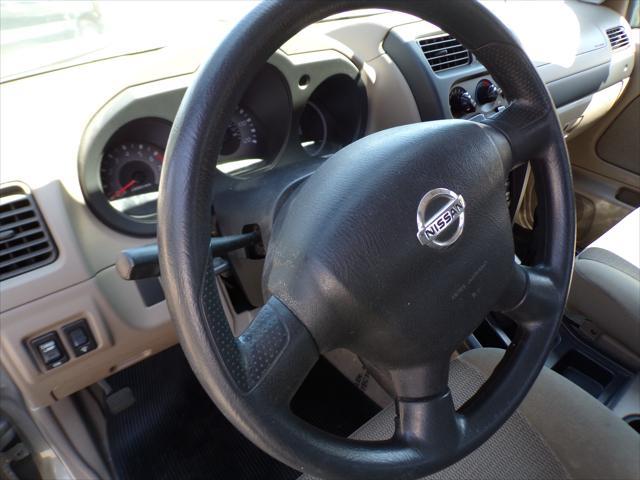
(618, 37)
(25, 243)
(444, 52)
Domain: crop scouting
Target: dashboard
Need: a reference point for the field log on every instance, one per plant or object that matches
(89, 159)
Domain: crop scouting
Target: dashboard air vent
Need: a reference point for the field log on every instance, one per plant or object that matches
(444, 52)
(25, 243)
(618, 37)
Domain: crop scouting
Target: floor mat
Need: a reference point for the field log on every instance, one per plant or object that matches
(330, 401)
(174, 431)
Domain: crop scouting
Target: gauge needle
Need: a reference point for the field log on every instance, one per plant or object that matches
(123, 190)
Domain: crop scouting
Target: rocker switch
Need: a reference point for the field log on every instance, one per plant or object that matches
(80, 337)
(50, 350)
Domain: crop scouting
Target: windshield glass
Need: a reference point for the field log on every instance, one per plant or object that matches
(38, 36)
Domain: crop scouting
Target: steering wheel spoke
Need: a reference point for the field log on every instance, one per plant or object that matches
(430, 424)
(426, 417)
(283, 365)
(521, 130)
(271, 358)
(532, 296)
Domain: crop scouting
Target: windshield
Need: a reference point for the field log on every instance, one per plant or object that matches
(37, 36)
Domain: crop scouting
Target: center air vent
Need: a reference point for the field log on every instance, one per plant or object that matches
(618, 37)
(25, 243)
(444, 52)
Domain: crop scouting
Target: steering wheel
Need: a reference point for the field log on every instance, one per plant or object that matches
(348, 267)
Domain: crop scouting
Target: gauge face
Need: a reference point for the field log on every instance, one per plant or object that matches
(241, 137)
(130, 169)
(313, 130)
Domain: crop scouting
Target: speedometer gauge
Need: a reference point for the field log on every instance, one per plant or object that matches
(130, 172)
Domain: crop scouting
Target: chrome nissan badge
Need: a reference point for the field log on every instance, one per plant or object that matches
(440, 218)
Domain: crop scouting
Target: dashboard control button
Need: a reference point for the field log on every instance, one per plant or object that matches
(50, 350)
(486, 92)
(80, 338)
(461, 102)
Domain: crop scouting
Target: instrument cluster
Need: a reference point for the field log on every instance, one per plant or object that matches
(278, 121)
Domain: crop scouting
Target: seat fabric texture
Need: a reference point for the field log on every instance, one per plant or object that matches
(558, 432)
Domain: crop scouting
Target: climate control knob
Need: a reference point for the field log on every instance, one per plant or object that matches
(461, 102)
(486, 92)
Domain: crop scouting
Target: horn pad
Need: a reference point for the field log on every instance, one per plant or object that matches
(348, 259)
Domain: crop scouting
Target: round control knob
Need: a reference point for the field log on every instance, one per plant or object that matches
(461, 102)
(486, 92)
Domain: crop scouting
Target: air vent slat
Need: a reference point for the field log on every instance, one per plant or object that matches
(23, 246)
(25, 243)
(449, 42)
(18, 236)
(618, 37)
(25, 256)
(19, 224)
(18, 211)
(450, 64)
(446, 58)
(444, 52)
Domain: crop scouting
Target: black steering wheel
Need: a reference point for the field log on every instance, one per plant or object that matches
(347, 266)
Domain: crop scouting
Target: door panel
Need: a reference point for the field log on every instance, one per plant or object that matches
(606, 162)
(620, 143)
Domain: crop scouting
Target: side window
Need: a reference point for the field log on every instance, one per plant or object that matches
(633, 13)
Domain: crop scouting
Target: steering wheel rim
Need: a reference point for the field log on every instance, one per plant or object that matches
(252, 378)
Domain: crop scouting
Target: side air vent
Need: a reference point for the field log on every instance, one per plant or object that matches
(444, 52)
(618, 37)
(25, 243)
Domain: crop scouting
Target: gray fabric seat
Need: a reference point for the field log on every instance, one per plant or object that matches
(559, 431)
(605, 292)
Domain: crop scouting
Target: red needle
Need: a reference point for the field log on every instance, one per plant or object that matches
(123, 190)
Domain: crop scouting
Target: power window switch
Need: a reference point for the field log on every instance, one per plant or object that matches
(80, 337)
(50, 349)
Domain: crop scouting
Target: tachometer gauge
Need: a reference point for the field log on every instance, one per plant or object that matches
(241, 137)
